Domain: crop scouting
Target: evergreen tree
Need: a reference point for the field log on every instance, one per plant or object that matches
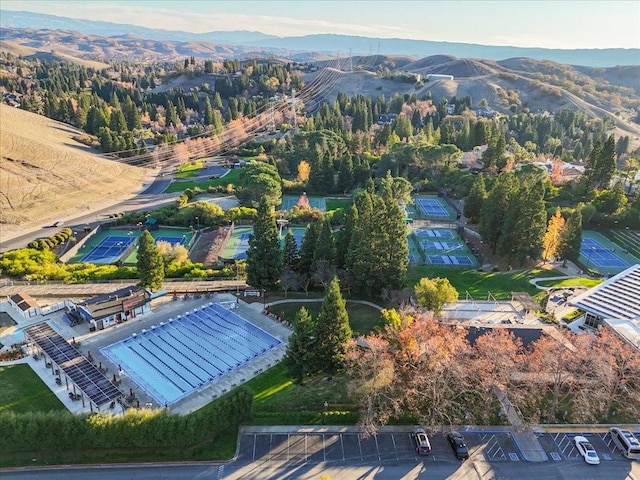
(264, 256)
(208, 111)
(325, 244)
(290, 255)
(592, 166)
(571, 237)
(308, 248)
(332, 330)
(345, 175)
(344, 237)
(607, 163)
(361, 252)
(150, 263)
(475, 200)
(299, 357)
(117, 122)
(495, 208)
(525, 223)
(171, 116)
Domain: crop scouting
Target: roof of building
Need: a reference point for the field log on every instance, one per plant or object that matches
(75, 366)
(23, 301)
(527, 301)
(116, 302)
(616, 301)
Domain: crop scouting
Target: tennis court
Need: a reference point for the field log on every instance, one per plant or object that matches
(109, 250)
(174, 236)
(434, 233)
(237, 245)
(434, 207)
(450, 260)
(290, 201)
(171, 240)
(440, 246)
(599, 253)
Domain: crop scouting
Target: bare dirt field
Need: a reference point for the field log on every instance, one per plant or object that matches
(44, 173)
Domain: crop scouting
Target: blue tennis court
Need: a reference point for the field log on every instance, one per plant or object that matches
(598, 255)
(450, 260)
(441, 245)
(432, 207)
(434, 233)
(109, 250)
(172, 240)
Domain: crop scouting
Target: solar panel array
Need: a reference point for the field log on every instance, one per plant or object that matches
(74, 365)
(617, 298)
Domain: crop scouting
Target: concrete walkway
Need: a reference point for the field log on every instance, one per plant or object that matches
(522, 435)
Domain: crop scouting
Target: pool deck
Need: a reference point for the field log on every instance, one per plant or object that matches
(164, 308)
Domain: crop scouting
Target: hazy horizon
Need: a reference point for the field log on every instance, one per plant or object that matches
(534, 24)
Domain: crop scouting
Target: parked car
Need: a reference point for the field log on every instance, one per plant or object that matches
(460, 450)
(59, 223)
(586, 450)
(421, 441)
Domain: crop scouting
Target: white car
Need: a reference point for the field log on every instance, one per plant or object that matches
(586, 450)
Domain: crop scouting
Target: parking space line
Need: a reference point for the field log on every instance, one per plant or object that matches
(395, 448)
(324, 449)
(288, 446)
(377, 447)
(608, 441)
(360, 447)
(270, 440)
(255, 439)
(306, 452)
(342, 445)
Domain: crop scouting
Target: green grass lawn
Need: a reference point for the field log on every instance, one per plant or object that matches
(231, 177)
(363, 319)
(479, 284)
(23, 391)
(188, 170)
(572, 282)
(335, 203)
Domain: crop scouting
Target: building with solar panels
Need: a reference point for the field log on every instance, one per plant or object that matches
(115, 307)
(83, 380)
(616, 303)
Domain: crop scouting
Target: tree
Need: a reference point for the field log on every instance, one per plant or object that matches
(346, 180)
(264, 257)
(150, 263)
(344, 237)
(475, 200)
(607, 163)
(290, 255)
(433, 293)
(592, 166)
(308, 248)
(552, 238)
(332, 330)
(299, 356)
(494, 209)
(259, 180)
(303, 171)
(325, 244)
(571, 237)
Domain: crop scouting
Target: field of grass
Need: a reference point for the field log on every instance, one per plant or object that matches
(188, 170)
(363, 319)
(231, 177)
(23, 391)
(335, 203)
(479, 284)
(32, 148)
(572, 282)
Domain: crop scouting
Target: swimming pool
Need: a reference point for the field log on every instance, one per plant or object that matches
(176, 358)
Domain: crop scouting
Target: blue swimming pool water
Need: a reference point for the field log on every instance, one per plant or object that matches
(183, 355)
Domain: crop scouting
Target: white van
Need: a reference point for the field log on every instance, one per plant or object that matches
(626, 442)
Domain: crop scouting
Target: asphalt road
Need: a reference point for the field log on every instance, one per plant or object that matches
(152, 196)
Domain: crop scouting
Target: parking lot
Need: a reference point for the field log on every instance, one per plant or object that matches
(354, 448)
(560, 446)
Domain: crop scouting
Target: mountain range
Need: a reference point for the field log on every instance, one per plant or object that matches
(241, 42)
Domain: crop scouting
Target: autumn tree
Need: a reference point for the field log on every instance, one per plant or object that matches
(433, 293)
(571, 237)
(150, 262)
(552, 238)
(303, 171)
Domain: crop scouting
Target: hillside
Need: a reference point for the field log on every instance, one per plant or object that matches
(45, 174)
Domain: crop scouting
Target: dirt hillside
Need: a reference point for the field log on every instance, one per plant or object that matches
(44, 173)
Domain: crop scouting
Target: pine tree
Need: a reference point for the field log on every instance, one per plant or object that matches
(264, 256)
(150, 263)
(308, 248)
(290, 255)
(393, 253)
(475, 200)
(345, 175)
(592, 166)
(607, 163)
(525, 223)
(361, 252)
(332, 331)
(208, 111)
(552, 237)
(299, 357)
(571, 237)
(325, 244)
(344, 237)
(495, 208)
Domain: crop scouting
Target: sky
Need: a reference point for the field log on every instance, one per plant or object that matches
(522, 23)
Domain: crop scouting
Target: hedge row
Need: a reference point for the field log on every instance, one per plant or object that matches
(53, 431)
(48, 243)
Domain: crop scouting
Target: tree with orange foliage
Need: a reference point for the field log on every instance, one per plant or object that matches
(552, 238)
(304, 169)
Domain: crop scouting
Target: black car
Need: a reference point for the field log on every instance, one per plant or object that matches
(456, 440)
(421, 440)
